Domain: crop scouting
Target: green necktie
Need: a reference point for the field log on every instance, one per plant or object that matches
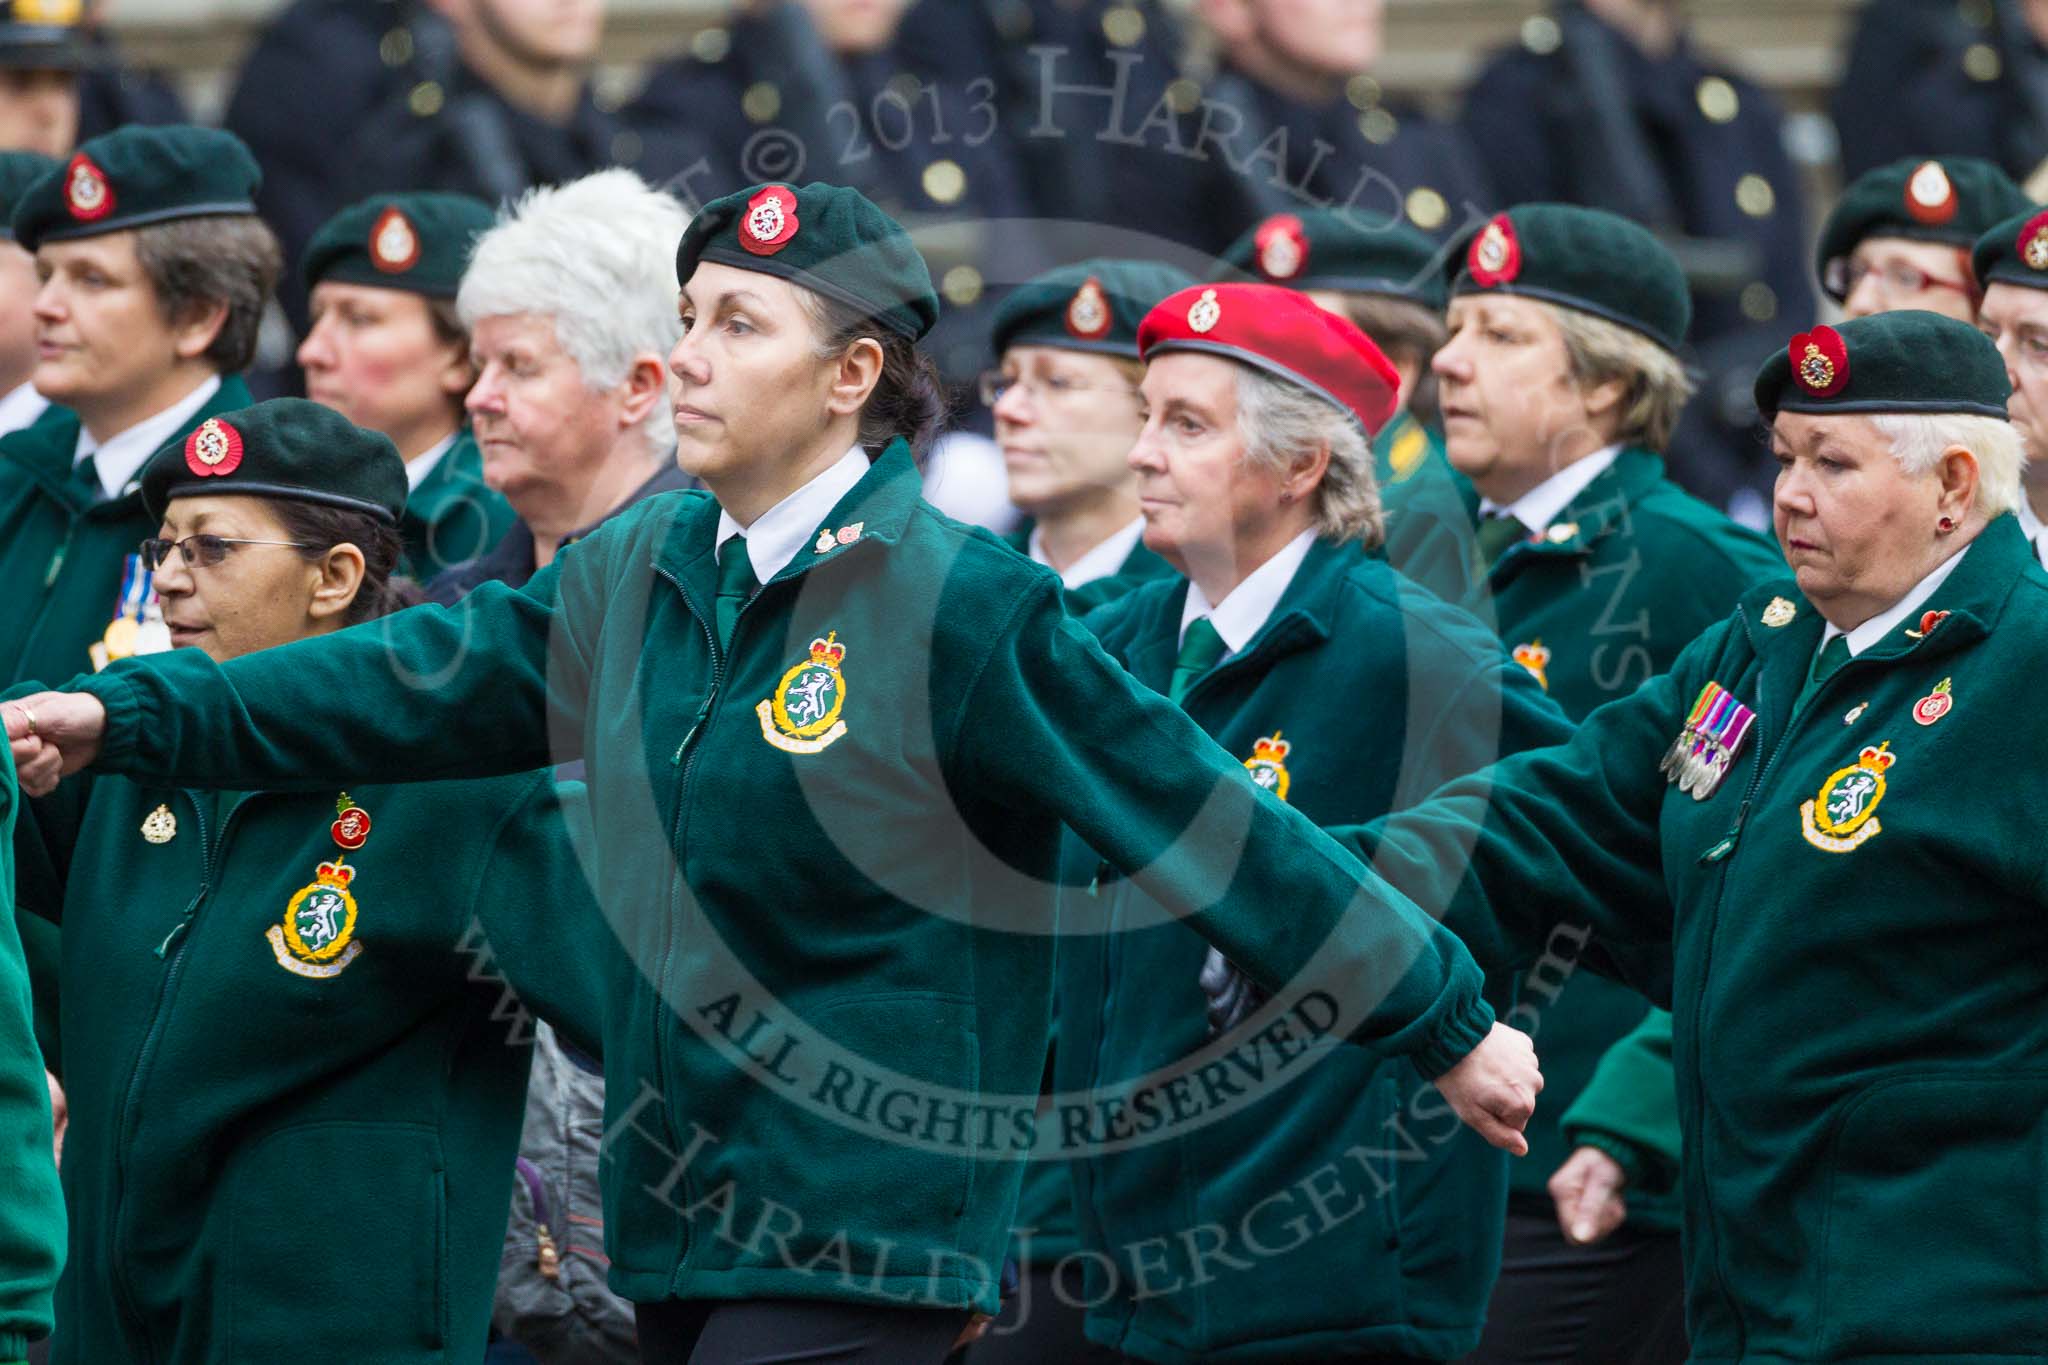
(1826, 660)
(736, 583)
(1200, 648)
(1495, 534)
(85, 476)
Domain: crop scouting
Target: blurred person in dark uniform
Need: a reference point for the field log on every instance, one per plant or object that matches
(841, 90)
(341, 99)
(1947, 77)
(1607, 104)
(1276, 110)
(62, 82)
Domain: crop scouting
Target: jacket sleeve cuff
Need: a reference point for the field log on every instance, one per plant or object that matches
(13, 1348)
(1643, 1167)
(1458, 1034)
(124, 714)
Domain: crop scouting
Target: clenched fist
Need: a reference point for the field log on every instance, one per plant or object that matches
(1494, 1088)
(53, 734)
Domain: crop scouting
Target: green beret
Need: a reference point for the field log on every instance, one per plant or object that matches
(416, 242)
(42, 35)
(284, 448)
(1904, 361)
(138, 175)
(826, 238)
(1950, 199)
(2014, 252)
(1094, 306)
(19, 170)
(1587, 259)
(1324, 249)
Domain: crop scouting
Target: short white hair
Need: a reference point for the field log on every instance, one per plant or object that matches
(1918, 440)
(1278, 421)
(597, 257)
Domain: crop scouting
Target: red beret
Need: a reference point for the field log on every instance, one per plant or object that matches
(1284, 334)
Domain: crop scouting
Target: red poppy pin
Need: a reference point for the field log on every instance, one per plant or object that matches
(2032, 246)
(86, 191)
(1496, 254)
(769, 222)
(1820, 362)
(1282, 245)
(214, 448)
(394, 243)
(1088, 312)
(1930, 197)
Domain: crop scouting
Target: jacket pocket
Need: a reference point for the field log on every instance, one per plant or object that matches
(1934, 1232)
(338, 1246)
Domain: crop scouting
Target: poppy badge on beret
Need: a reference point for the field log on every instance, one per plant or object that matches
(1282, 246)
(1205, 312)
(1820, 362)
(394, 243)
(1930, 198)
(2032, 247)
(1496, 255)
(769, 222)
(86, 191)
(214, 448)
(1088, 315)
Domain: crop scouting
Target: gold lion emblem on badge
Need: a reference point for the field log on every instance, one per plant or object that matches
(1816, 371)
(803, 717)
(317, 937)
(1842, 817)
(1268, 764)
(1205, 313)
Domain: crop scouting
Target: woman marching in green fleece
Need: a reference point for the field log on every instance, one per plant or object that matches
(32, 1213)
(834, 738)
(1818, 838)
(295, 1078)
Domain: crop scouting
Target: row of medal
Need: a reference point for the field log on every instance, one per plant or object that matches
(1699, 759)
(138, 625)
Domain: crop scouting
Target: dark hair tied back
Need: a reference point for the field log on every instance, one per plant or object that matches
(910, 398)
(320, 528)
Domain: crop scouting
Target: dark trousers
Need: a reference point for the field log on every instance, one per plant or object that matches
(1620, 1302)
(780, 1331)
(1037, 1325)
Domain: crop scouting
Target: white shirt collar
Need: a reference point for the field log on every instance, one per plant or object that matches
(124, 454)
(1246, 607)
(21, 408)
(1544, 503)
(1877, 627)
(422, 464)
(2031, 526)
(1100, 562)
(778, 533)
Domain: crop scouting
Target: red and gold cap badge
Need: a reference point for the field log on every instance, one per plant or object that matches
(1820, 362)
(394, 243)
(2032, 246)
(1930, 198)
(86, 191)
(770, 222)
(1088, 312)
(214, 448)
(1496, 254)
(1205, 312)
(1282, 245)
